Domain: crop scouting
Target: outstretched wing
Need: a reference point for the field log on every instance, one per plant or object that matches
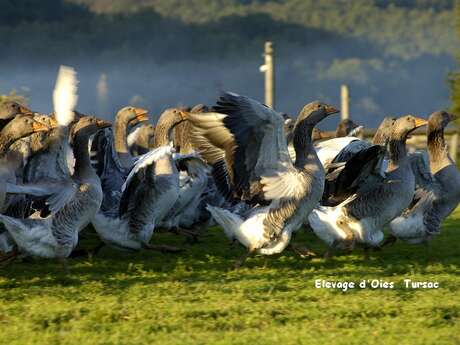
(109, 168)
(328, 150)
(249, 136)
(57, 194)
(139, 174)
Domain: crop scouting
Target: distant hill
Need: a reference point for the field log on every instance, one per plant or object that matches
(395, 55)
(404, 28)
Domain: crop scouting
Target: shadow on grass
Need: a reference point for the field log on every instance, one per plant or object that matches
(211, 261)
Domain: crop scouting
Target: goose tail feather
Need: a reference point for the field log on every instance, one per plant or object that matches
(228, 221)
(323, 221)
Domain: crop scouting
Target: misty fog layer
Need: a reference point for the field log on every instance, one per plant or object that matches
(396, 57)
(103, 89)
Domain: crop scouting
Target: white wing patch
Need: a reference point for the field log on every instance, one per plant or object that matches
(283, 185)
(327, 150)
(147, 159)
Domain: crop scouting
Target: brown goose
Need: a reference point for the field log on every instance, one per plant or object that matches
(21, 126)
(249, 137)
(10, 109)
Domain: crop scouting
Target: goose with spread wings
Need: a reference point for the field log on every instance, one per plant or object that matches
(249, 138)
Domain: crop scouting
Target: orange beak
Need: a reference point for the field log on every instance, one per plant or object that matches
(331, 110)
(183, 115)
(39, 127)
(420, 122)
(141, 114)
(53, 123)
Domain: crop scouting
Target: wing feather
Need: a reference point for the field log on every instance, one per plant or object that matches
(252, 138)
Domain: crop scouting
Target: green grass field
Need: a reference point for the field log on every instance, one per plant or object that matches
(196, 298)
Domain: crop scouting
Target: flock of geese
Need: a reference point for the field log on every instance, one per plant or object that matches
(257, 173)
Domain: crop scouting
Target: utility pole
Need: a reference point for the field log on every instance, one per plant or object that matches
(269, 70)
(345, 102)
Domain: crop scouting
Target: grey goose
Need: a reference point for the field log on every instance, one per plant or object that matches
(249, 137)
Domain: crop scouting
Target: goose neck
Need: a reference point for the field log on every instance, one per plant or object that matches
(163, 130)
(83, 169)
(121, 141)
(397, 152)
(6, 140)
(437, 149)
(302, 143)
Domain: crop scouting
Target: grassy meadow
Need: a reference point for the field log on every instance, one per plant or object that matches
(195, 297)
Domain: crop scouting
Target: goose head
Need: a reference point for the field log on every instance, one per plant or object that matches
(169, 119)
(405, 125)
(440, 119)
(89, 125)
(384, 130)
(289, 125)
(314, 112)
(24, 125)
(10, 109)
(172, 117)
(318, 135)
(147, 133)
(344, 128)
(132, 115)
